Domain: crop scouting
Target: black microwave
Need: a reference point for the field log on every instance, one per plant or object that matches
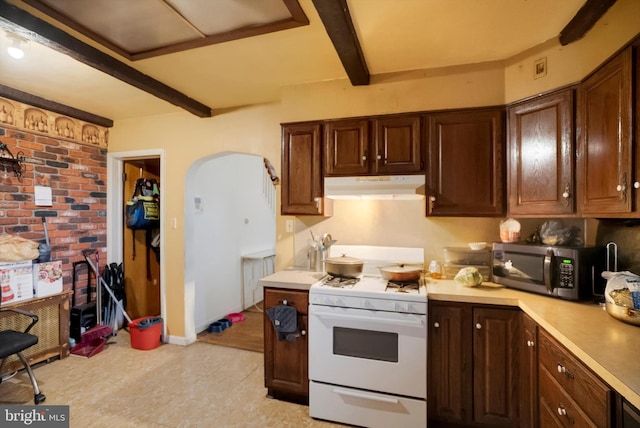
(571, 273)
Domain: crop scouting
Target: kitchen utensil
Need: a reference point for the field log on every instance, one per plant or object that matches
(344, 266)
(316, 257)
(44, 250)
(401, 272)
(326, 238)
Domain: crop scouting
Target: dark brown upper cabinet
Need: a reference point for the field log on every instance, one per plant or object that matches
(377, 146)
(347, 150)
(465, 172)
(541, 156)
(605, 175)
(302, 169)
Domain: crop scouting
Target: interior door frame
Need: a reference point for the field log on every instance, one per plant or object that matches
(115, 202)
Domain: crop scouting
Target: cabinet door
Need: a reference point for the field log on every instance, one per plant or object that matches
(541, 156)
(286, 362)
(528, 373)
(466, 166)
(496, 366)
(347, 149)
(301, 170)
(398, 145)
(449, 358)
(604, 139)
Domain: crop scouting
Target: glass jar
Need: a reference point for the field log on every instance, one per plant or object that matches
(435, 269)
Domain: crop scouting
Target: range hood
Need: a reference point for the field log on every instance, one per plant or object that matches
(400, 187)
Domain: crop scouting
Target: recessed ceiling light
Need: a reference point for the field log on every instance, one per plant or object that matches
(15, 49)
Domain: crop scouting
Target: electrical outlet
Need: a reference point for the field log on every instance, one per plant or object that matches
(289, 226)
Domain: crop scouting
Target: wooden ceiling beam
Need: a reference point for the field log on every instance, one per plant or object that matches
(32, 100)
(584, 20)
(337, 21)
(28, 26)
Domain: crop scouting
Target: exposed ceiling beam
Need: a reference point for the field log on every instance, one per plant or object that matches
(53, 106)
(26, 25)
(586, 18)
(337, 21)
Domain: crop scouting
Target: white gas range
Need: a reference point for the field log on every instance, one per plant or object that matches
(368, 344)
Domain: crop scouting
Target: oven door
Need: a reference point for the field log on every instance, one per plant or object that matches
(374, 350)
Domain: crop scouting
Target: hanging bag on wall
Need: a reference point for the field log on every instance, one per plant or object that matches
(143, 209)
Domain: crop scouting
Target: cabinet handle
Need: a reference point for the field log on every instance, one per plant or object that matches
(562, 411)
(563, 369)
(436, 324)
(623, 187)
(478, 326)
(316, 200)
(566, 195)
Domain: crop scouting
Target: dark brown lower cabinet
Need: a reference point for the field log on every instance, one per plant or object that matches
(473, 365)
(286, 367)
(529, 412)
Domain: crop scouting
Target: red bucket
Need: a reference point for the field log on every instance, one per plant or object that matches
(146, 333)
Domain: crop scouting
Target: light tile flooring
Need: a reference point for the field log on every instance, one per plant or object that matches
(200, 385)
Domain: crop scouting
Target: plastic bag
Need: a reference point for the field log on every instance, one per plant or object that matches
(469, 277)
(16, 249)
(553, 232)
(623, 289)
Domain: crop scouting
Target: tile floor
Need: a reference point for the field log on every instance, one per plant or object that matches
(200, 385)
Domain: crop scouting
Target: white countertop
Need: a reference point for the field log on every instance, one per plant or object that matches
(294, 279)
(609, 347)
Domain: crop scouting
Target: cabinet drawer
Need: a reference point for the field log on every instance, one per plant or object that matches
(555, 401)
(589, 392)
(296, 298)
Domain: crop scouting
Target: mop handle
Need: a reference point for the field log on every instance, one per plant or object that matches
(106, 286)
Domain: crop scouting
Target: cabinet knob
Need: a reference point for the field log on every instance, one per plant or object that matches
(562, 411)
(621, 188)
(364, 158)
(436, 324)
(284, 302)
(303, 332)
(530, 343)
(478, 326)
(317, 202)
(432, 198)
(379, 157)
(636, 185)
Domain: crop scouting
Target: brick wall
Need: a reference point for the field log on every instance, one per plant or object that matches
(76, 221)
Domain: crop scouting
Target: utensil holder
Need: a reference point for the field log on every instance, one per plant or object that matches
(316, 259)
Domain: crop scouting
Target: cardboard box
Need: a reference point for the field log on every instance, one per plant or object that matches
(16, 281)
(47, 278)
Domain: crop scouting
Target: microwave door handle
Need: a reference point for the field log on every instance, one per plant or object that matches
(547, 270)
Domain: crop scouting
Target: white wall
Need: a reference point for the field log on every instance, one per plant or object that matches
(235, 217)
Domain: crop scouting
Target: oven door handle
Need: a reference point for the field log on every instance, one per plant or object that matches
(416, 323)
(546, 272)
(372, 397)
